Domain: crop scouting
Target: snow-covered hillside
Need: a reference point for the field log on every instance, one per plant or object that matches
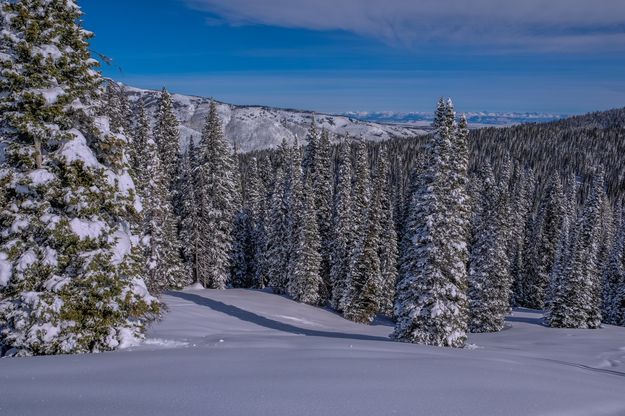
(256, 127)
(245, 352)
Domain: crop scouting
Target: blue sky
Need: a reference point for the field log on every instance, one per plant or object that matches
(561, 56)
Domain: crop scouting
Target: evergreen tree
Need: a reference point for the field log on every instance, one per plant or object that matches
(364, 292)
(342, 229)
(219, 196)
(360, 199)
(261, 226)
(387, 249)
(489, 275)
(542, 249)
(304, 279)
(521, 233)
(322, 186)
(431, 304)
(188, 215)
(167, 137)
(613, 309)
(577, 301)
(165, 267)
(141, 137)
(71, 281)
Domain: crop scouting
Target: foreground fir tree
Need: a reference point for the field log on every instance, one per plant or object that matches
(219, 196)
(489, 274)
(431, 306)
(69, 279)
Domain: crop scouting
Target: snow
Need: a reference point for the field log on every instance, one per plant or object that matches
(122, 247)
(40, 177)
(5, 269)
(27, 259)
(87, 228)
(50, 95)
(239, 352)
(77, 149)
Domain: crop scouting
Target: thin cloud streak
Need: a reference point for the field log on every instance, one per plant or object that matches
(544, 24)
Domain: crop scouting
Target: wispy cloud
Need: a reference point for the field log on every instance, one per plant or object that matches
(544, 25)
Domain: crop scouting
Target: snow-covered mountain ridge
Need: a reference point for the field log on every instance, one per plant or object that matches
(476, 119)
(259, 127)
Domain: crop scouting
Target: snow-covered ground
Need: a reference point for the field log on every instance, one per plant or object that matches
(244, 352)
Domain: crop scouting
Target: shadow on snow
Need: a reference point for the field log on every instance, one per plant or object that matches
(266, 322)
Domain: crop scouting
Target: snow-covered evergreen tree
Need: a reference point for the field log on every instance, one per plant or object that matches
(322, 186)
(542, 250)
(219, 196)
(431, 305)
(521, 233)
(577, 301)
(261, 226)
(489, 274)
(188, 215)
(360, 199)
(164, 267)
(70, 280)
(365, 282)
(277, 250)
(167, 137)
(305, 260)
(613, 309)
(140, 139)
(388, 251)
(342, 229)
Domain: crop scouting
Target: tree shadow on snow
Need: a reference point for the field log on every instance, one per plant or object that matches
(527, 320)
(266, 322)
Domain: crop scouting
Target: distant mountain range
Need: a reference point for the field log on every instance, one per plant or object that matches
(261, 127)
(258, 127)
(476, 119)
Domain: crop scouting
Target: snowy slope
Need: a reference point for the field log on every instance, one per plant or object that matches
(256, 127)
(243, 352)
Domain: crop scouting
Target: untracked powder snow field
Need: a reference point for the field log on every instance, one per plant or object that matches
(247, 352)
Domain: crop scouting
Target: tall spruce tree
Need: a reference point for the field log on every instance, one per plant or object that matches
(164, 267)
(613, 308)
(431, 306)
(365, 283)
(167, 137)
(342, 229)
(70, 278)
(541, 253)
(188, 215)
(577, 301)
(219, 194)
(388, 251)
(489, 274)
(360, 199)
(304, 279)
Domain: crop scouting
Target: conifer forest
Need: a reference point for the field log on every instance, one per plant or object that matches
(112, 222)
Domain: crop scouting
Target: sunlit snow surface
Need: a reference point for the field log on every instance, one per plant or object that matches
(243, 352)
